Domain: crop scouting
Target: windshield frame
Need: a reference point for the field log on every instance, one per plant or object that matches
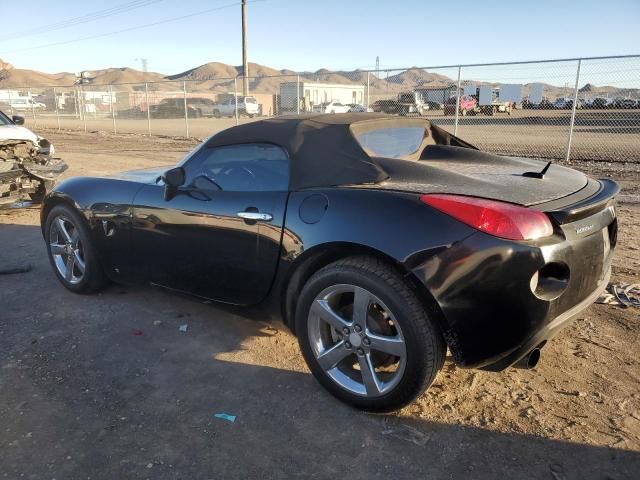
(5, 119)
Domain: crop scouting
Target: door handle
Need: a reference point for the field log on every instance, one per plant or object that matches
(256, 216)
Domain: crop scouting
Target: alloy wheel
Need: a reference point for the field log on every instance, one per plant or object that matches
(67, 250)
(356, 340)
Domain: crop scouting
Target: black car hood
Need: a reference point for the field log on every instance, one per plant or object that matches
(463, 171)
(145, 175)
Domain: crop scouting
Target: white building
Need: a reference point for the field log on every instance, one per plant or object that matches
(314, 93)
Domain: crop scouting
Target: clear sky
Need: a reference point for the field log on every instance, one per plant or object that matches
(308, 35)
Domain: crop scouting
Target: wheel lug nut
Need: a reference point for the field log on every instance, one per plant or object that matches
(345, 330)
(360, 352)
(357, 328)
(347, 344)
(366, 341)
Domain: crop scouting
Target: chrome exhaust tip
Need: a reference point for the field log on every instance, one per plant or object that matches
(529, 361)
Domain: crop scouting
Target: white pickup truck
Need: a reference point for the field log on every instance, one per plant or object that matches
(246, 106)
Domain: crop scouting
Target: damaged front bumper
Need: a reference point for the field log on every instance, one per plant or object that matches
(27, 171)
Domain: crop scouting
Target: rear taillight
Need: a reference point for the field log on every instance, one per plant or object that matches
(500, 219)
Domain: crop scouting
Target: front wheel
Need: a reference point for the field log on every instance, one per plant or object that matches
(366, 336)
(71, 252)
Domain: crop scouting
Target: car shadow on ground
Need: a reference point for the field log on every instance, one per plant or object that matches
(108, 386)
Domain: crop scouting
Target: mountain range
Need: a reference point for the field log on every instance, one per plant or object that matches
(216, 76)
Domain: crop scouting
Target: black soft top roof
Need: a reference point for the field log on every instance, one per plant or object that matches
(323, 148)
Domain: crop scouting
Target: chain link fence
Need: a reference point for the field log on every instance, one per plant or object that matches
(583, 109)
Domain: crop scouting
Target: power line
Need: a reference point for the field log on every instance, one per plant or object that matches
(70, 22)
(137, 27)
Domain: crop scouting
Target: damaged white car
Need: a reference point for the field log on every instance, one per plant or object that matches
(27, 168)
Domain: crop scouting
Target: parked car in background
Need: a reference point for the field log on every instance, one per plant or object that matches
(204, 107)
(172, 108)
(467, 105)
(597, 103)
(12, 128)
(387, 106)
(563, 103)
(246, 106)
(544, 104)
(356, 107)
(21, 104)
(331, 107)
(27, 169)
(407, 103)
(624, 103)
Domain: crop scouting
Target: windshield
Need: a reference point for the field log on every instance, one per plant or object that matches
(4, 120)
(392, 142)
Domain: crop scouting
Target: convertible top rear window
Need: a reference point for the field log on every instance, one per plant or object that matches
(392, 142)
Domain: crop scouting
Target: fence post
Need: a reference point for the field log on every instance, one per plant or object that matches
(55, 102)
(10, 103)
(573, 110)
(83, 109)
(76, 103)
(368, 90)
(455, 128)
(33, 109)
(235, 96)
(146, 99)
(113, 110)
(298, 95)
(186, 115)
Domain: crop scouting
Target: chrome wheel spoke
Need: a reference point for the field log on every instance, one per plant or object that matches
(70, 263)
(62, 229)
(391, 345)
(57, 249)
(334, 355)
(361, 301)
(79, 262)
(369, 376)
(322, 309)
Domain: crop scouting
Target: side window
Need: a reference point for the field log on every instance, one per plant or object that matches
(248, 167)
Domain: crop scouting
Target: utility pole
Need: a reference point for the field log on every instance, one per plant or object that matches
(245, 62)
(143, 63)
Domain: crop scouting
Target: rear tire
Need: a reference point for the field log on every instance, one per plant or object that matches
(71, 252)
(402, 347)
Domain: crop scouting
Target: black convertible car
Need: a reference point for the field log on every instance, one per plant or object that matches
(382, 240)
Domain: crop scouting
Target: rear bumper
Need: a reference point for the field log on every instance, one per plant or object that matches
(548, 331)
(486, 288)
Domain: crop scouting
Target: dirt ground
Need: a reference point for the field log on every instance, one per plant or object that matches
(107, 386)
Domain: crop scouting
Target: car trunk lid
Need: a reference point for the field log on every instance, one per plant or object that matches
(464, 171)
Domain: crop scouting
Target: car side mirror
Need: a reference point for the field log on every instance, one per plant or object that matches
(18, 120)
(173, 179)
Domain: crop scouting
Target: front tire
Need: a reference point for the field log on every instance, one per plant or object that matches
(71, 251)
(366, 336)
